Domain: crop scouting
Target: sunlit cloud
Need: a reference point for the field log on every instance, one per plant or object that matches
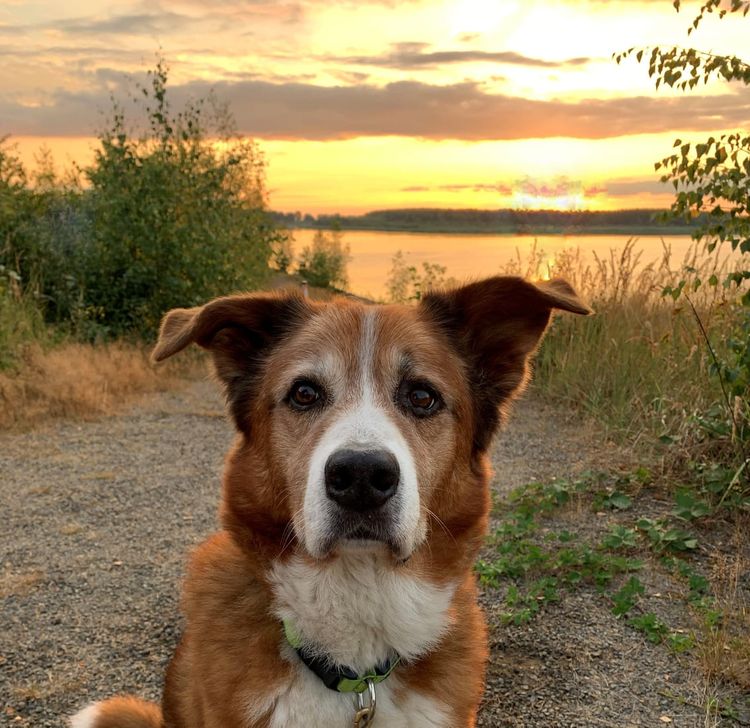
(416, 55)
(498, 188)
(636, 187)
(559, 193)
(385, 102)
(407, 108)
(153, 23)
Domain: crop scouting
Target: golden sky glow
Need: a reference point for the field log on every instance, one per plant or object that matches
(363, 105)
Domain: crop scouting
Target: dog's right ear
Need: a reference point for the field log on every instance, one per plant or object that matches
(239, 332)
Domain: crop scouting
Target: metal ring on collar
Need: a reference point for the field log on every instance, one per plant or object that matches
(366, 712)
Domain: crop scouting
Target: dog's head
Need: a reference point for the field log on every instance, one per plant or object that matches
(361, 423)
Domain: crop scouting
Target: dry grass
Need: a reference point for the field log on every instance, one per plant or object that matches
(640, 366)
(19, 583)
(724, 648)
(84, 381)
(56, 683)
(40, 381)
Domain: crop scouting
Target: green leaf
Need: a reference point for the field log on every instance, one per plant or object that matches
(619, 500)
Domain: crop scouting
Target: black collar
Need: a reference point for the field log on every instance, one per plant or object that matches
(340, 679)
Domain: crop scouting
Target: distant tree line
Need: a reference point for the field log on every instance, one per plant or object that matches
(491, 221)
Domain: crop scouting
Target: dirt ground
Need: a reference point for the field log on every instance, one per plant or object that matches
(89, 578)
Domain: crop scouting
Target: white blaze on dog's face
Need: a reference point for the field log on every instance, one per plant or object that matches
(363, 426)
(366, 405)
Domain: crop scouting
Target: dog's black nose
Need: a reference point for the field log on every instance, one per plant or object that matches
(361, 480)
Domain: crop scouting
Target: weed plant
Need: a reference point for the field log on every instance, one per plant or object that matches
(530, 564)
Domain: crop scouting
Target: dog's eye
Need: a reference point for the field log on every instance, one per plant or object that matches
(420, 399)
(304, 395)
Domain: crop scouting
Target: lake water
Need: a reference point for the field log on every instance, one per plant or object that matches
(475, 256)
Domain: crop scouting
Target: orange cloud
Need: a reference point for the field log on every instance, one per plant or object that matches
(404, 108)
(416, 55)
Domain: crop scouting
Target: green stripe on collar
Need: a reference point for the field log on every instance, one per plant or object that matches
(291, 634)
(340, 679)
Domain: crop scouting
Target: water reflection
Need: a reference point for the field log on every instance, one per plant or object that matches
(475, 256)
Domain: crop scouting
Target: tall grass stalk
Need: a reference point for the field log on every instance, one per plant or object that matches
(640, 364)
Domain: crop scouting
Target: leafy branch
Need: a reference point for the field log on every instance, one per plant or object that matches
(685, 68)
(712, 183)
(711, 6)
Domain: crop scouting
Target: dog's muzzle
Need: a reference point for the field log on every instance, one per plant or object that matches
(362, 485)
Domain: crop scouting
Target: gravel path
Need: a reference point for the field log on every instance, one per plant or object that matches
(89, 578)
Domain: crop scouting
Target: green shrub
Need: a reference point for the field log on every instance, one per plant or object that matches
(324, 263)
(282, 250)
(21, 319)
(176, 218)
(172, 217)
(406, 283)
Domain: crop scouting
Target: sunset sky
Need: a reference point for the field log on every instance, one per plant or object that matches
(365, 105)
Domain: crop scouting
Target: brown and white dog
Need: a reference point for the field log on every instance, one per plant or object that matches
(355, 500)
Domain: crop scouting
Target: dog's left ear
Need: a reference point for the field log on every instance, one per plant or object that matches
(496, 325)
(239, 331)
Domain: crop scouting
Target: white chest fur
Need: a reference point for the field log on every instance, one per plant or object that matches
(359, 610)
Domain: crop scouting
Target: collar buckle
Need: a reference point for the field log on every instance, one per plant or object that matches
(365, 712)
